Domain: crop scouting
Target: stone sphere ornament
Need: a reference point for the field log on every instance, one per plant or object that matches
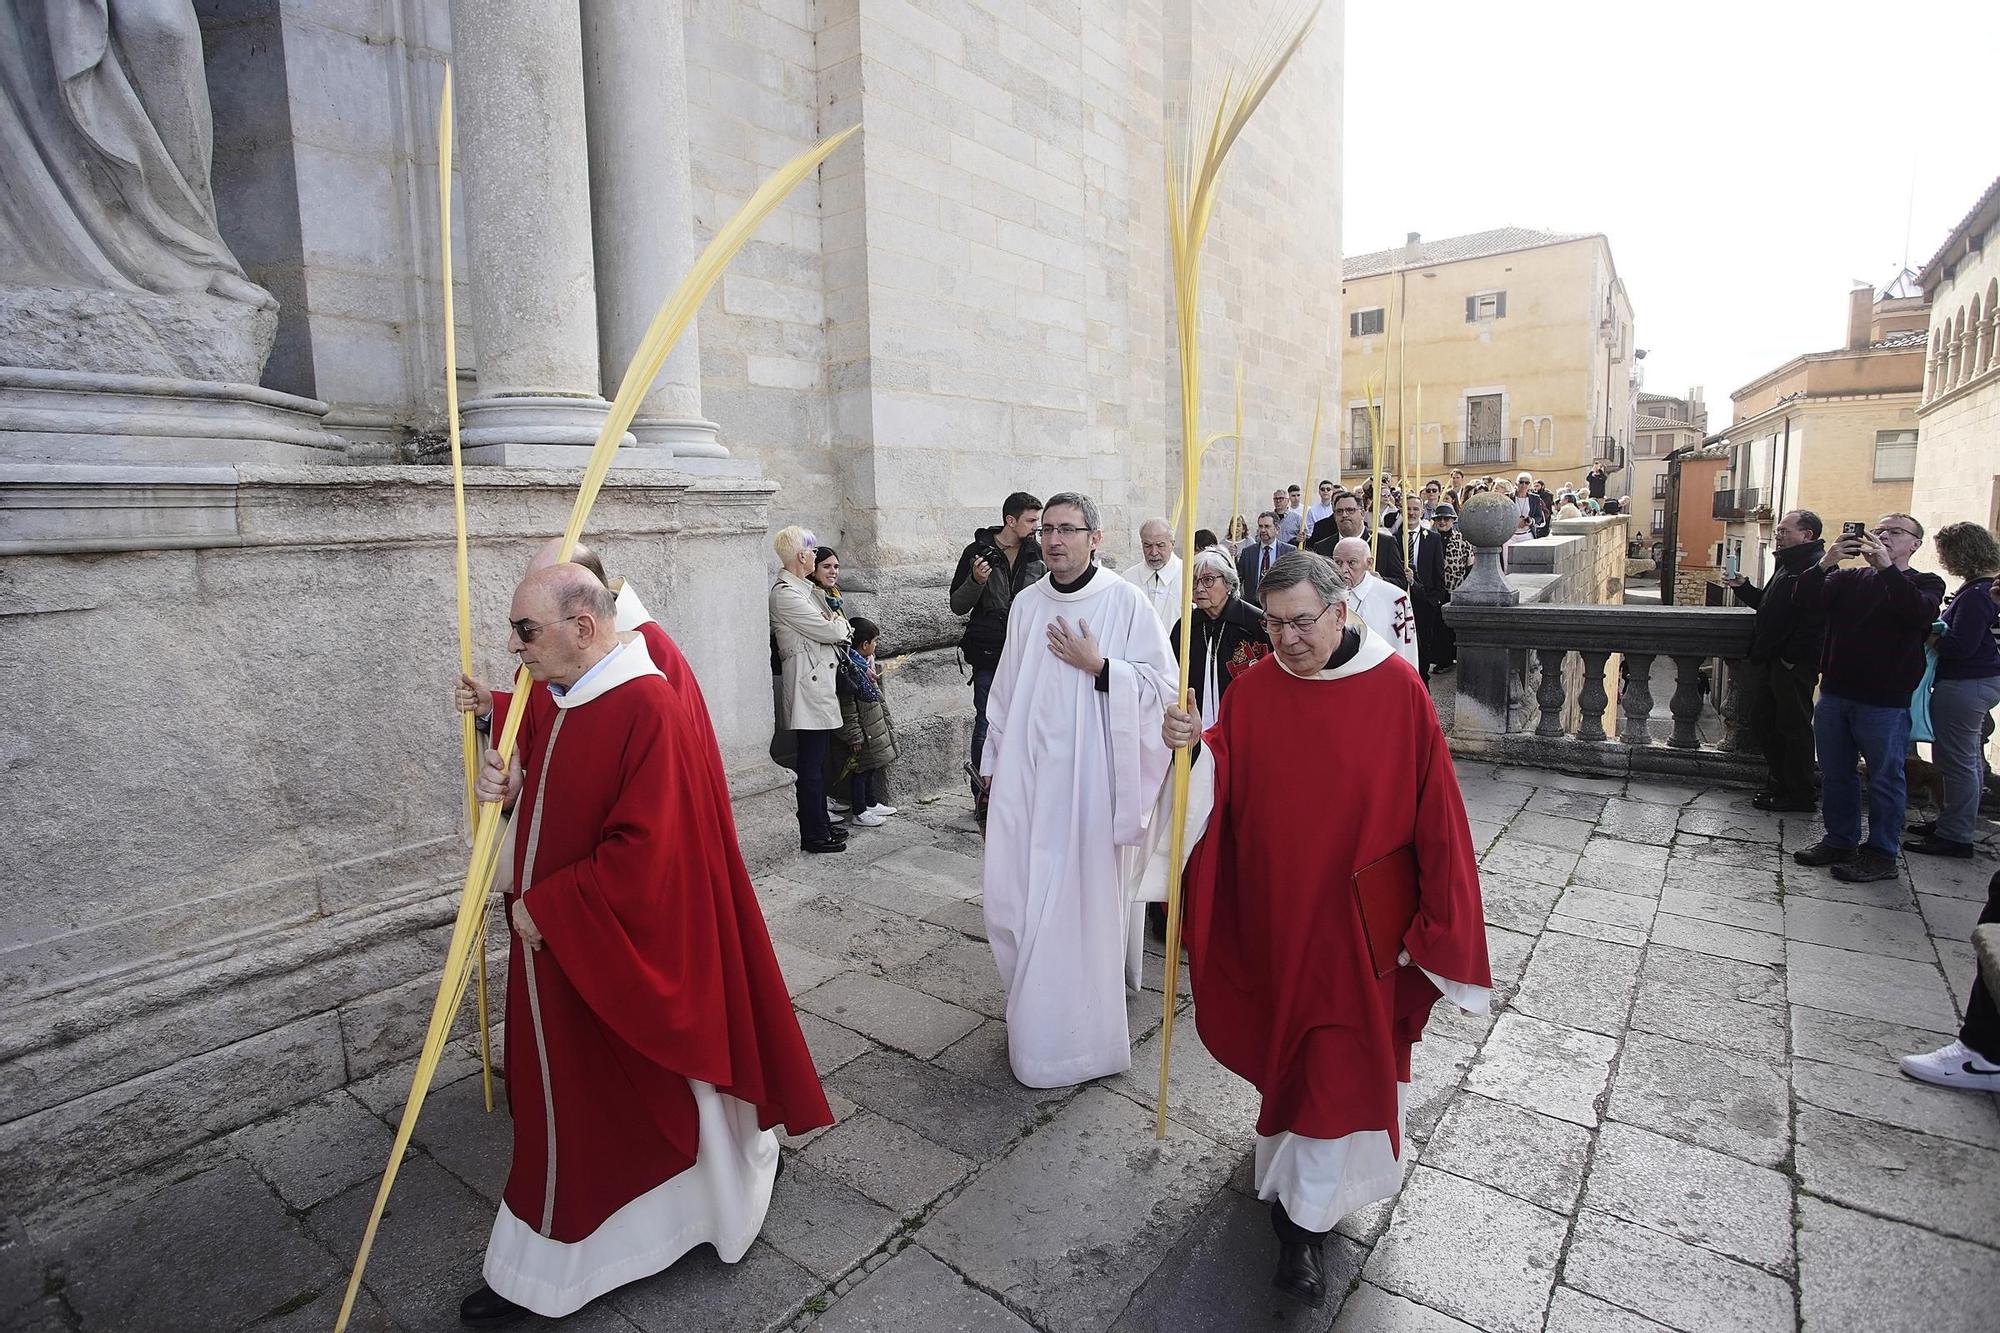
(1488, 519)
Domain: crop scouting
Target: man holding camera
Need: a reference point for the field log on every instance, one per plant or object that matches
(995, 565)
(1783, 666)
(1877, 620)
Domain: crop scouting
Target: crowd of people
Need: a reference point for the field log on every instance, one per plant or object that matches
(653, 1048)
(1854, 658)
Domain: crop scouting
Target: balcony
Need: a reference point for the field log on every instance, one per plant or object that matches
(1480, 453)
(1361, 458)
(1608, 452)
(1735, 506)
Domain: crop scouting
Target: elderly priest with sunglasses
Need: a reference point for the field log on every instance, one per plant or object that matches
(1315, 963)
(1075, 761)
(651, 1044)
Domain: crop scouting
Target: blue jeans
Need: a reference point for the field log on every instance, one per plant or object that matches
(814, 826)
(1843, 729)
(982, 685)
(1958, 715)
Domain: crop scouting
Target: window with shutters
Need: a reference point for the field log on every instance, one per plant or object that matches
(1482, 306)
(1360, 440)
(1659, 517)
(1895, 455)
(1361, 323)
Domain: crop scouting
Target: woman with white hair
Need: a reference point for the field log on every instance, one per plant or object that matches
(1227, 638)
(809, 635)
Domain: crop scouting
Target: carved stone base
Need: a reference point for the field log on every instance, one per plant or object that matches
(71, 416)
(187, 335)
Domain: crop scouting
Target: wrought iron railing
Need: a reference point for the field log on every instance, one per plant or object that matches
(1480, 453)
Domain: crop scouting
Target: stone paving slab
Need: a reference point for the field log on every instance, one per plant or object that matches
(762, 1291)
(1738, 1104)
(1710, 937)
(428, 1250)
(887, 1161)
(1579, 983)
(892, 1014)
(1897, 990)
(1500, 1283)
(914, 1293)
(1861, 1272)
(823, 1224)
(1885, 1094)
(974, 1120)
(313, 1152)
(1935, 1183)
(1072, 1222)
(1873, 930)
(1570, 1311)
(1671, 1007)
(1539, 1066)
(1694, 1194)
(1533, 1157)
(1672, 1282)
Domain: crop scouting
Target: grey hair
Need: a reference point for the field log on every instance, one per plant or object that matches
(1305, 567)
(1076, 500)
(1217, 563)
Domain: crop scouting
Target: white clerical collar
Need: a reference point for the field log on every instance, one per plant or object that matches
(632, 612)
(1372, 652)
(622, 665)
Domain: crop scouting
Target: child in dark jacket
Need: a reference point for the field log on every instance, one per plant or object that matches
(866, 743)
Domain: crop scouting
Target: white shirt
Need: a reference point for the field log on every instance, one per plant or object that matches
(1316, 513)
(1385, 609)
(1162, 587)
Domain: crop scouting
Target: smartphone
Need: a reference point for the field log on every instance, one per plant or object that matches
(1853, 529)
(1731, 566)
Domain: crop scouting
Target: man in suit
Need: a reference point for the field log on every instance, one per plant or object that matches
(1351, 520)
(1532, 505)
(1429, 588)
(1259, 556)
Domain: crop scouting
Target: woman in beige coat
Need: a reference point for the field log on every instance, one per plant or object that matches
(808, 635)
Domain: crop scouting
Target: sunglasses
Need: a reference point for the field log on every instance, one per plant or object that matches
(526, 630)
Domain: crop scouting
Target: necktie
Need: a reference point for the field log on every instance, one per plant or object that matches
(1264, 566)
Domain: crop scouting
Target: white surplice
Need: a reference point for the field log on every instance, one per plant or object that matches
(1385, 609)
(1075, 775)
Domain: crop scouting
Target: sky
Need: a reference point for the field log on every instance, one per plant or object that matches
(1748, 161)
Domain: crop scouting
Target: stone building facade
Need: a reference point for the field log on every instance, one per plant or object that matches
(1665, 423)
(1522, 341)
(1958, 422)
(234, 767)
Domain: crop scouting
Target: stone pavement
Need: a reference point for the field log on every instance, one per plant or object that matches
(1686, 1115)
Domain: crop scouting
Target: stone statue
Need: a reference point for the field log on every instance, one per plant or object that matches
(111, 259)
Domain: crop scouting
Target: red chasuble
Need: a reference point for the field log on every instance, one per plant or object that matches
(1314, 779)
(657, 968)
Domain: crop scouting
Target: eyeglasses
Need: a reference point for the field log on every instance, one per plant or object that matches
(1301, 624)
(1344, 511)
(526, 630)
(1207, 580)
(1062, 530)
(1900, 532)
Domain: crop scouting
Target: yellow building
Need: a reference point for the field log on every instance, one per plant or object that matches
(1958, 437)
(1834, 432)
(1521, 341)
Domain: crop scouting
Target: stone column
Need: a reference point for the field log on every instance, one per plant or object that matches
(635, 94)
(518, 68)
(1486, 675)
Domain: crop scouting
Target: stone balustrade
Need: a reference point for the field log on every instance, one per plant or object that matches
(1537, 678)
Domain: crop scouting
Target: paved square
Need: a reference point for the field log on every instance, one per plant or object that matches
(1685, 1114)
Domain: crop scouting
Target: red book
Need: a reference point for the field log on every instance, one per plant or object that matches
(1386, 889)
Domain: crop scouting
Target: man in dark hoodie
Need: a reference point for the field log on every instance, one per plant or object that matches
(1783, 669)
(995, 564)
(1877, 621)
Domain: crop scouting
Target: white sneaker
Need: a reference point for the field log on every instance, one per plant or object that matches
(869, 819)
(842, 806)
(880, 809)
(1954, 1066)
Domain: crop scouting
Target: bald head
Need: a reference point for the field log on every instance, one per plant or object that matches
(579, 554)
(1156, 542)
(1352, 558)
(564, 623)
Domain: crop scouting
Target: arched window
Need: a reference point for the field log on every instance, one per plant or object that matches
(1953, 341)
(1992, 324)
(1975, 342)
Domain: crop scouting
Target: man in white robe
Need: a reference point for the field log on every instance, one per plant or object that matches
(1158, 575)
(1074, 763)
(1379, 604)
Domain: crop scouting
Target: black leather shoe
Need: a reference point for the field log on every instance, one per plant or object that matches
(1932, 845)
(1867, 866)
(487, 1308)
(1300, 1273)
(1823, 853)
(822, 848)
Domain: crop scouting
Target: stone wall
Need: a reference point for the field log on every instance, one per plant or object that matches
(233, 773)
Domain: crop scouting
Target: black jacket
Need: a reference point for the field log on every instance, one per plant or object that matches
(1247, 560)
(1389, 562)
(989, 603)
(1428, 583)
(1240, 627)
(1786, 631)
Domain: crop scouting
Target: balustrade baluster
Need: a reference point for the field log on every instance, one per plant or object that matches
(1686, 703)
(1549, 694)
(1592, 698)
(1638, 699)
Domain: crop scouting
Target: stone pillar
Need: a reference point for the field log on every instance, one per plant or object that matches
(635, 95)
(1486, 675)
(518, 68)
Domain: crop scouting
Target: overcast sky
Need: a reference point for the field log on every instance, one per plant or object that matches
(1747, 160)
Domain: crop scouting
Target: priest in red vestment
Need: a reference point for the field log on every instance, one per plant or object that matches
(651, 1044)
(1286, 992)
